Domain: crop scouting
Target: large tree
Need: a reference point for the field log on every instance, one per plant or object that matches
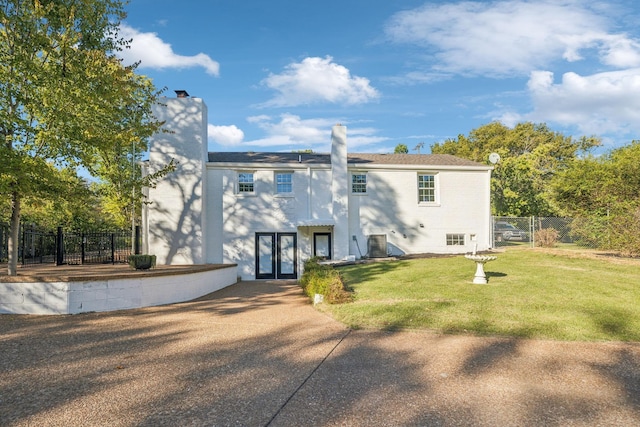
(602, 194)
(531, 154)
(65, 99)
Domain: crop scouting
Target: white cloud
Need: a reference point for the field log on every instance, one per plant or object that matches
(510, 119)
(364, 137)
(292, 132)
(510, 37)
(153, 52)
(595, 104)
(621, 52)
(316, 80)
(225, 135)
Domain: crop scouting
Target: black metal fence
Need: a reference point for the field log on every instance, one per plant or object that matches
(38, 246)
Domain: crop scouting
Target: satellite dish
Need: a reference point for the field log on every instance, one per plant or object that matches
(494, 158)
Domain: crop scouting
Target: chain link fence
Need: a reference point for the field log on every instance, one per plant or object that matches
(539, 231)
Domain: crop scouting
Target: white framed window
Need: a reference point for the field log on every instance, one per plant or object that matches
(455, 240)
(246, 183)
(359, 183)
(427, 191)
(284, 182)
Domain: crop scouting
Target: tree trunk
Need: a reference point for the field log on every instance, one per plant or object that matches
(14, 235)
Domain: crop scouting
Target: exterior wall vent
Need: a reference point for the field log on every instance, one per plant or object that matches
(377, 246)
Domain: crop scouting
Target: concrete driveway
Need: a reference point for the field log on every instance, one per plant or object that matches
(257, 354)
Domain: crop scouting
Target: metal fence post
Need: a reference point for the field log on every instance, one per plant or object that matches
(82, 247)
(533, 232)
(1, 242)
(113, 248)
(23, 246)
(59, 247)
(137, 242)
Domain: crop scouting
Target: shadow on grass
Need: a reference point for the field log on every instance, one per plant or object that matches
(490, 274)
(361, 273)
(614, 323)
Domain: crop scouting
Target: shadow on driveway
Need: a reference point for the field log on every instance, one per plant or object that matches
(257, 354)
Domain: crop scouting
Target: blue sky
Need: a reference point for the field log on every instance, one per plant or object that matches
(277, 74)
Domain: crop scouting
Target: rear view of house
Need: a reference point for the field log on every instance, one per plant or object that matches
(269, 212)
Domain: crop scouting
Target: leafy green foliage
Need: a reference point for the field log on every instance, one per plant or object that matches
(142, 261)
(603, 195)
(531, 154)
(401, 149)
(324, 280)
(65, 98)
(76, 205)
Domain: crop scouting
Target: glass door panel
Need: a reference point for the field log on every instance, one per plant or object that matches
(265, 256)
(287, 258)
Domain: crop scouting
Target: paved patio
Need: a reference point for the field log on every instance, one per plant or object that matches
(257, 354)
(55, 273)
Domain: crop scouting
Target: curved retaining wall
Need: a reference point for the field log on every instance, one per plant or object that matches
(75, 295)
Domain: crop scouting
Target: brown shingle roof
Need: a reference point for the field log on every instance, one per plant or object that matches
(411, 159)
(253, 157)
(352, 158)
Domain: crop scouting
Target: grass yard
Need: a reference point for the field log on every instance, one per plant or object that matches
(531, 293)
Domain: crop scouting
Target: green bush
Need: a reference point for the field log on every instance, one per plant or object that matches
(142, 262)
(324, 280)
(591, 231)
(624, 232)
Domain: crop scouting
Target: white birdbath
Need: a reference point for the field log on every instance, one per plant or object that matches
(480, 278)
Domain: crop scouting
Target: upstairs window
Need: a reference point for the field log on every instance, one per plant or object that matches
(426, 188)
(245, 182)
(359, 183)
(284, 182)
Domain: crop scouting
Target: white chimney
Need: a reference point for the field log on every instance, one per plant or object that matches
(340, 191)
(176, 216)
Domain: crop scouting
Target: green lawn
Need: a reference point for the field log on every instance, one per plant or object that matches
(531, 293)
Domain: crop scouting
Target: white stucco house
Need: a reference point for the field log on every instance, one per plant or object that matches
(269, 212)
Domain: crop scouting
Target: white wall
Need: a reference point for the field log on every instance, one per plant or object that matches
(111, 294)
(391, 207)
(321, 206)
(214, 201)
(235, 218)
(175, 216)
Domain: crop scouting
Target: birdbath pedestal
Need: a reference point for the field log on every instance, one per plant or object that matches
(480, 277)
